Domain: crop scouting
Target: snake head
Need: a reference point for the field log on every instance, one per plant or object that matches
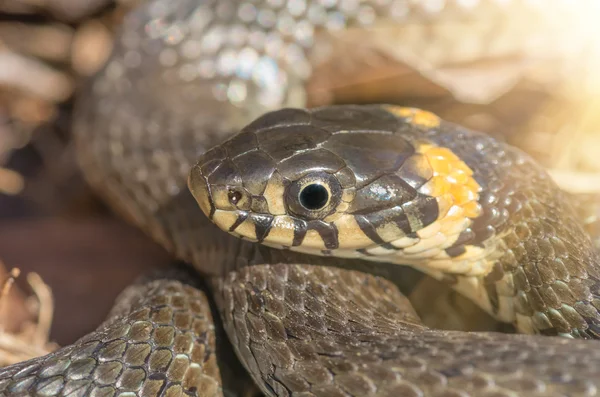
(340, 180)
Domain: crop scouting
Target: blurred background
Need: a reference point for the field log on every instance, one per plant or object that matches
(50, 223)
(74, 258)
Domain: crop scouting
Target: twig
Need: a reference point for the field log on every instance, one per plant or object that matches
(46, 308)
(33, 340)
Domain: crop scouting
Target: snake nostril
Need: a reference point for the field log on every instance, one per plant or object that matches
(234, 196)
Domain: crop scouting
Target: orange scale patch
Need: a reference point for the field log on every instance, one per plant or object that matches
(460, 166)
(472, 209)
(458, 177)
(426, 119)
(443, 154)
(453, 183)
(462, 194)
(436, 186)
(417, 117)
(440, 164)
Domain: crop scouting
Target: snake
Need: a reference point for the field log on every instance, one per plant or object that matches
(296, 218)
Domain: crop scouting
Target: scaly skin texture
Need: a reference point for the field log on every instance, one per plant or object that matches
(300, 328)
(300, 334)
(160, 339)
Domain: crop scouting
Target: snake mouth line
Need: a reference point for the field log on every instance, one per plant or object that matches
(241, 218)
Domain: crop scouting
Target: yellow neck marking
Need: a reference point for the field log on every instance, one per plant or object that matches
(416, 117)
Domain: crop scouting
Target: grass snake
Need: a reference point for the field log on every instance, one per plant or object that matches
(321, 206)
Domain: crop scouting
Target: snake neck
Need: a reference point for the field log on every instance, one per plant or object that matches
(544, 268)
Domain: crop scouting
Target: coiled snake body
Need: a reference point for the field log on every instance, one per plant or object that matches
(327, 202)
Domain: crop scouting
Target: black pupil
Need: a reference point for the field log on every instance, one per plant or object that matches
(314, 197)
(234, 196)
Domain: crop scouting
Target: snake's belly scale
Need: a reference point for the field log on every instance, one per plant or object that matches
(184, 76)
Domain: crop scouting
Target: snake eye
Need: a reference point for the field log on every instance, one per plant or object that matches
(314, 197)
(234, 196)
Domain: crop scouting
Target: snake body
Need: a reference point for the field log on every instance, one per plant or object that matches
(306, 303)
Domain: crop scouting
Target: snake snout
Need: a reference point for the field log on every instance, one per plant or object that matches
(212, 180)
(216, 184)
(199, 188)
